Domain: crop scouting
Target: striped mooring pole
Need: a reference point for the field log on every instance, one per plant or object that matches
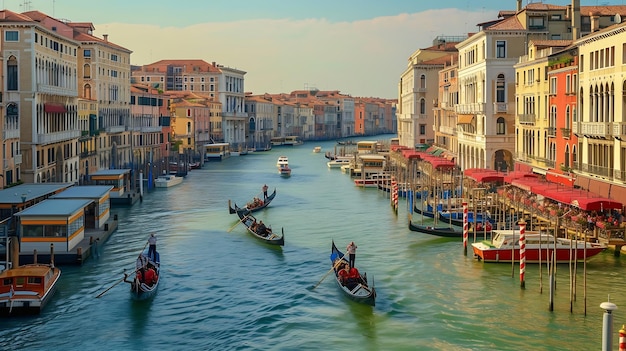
(465, 228)
(522, 253)
(622, 339)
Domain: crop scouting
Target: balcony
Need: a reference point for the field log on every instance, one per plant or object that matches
(596, 129)
(115, 129)
(17, 159)
(551, 131)
(566, 132)
(447, 130)
(527, 118)
(420, 90)
(597, 170)
(619, 130)
(10, 134)
(50, 138)
(473, 108)
(501, 107)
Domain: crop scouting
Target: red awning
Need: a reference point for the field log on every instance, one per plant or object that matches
(53, 107)
(518, 174)
(596, 204)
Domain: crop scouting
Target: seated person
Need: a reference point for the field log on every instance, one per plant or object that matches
(149, 276)
(488, 226)
(354, 274)
(261, 229)
(343, 273)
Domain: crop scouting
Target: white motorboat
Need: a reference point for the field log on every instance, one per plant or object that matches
(167, 181)
(282, 162)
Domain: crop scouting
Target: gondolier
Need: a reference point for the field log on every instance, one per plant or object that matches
(351, 248)
(265, 192)
(152, 249)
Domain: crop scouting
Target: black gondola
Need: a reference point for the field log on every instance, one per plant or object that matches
(438, 231)
(358, 291)
(246, 217)
(253, 208)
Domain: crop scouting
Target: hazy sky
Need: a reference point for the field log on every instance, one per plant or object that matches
(359, 47)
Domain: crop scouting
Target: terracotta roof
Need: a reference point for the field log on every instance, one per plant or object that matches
(10, 16)
(511, 23)
(189, 65)
(537, 6)
(603, 10)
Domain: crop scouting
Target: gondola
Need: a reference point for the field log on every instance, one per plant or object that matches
(253, 208)
(456, 218)
(357, 291)
(438, 231)
(140, 289)
(249, 220)
(424, 213)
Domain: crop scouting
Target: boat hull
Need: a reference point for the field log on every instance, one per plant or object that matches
(266, 203)
(563, 255)
(438, 231)
(247, 219)
(167, 181)
(143, 291)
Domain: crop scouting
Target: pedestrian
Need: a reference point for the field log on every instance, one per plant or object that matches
(265, 192)
(352, 253)
(152, 249)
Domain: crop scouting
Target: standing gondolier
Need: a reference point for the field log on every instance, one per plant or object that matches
(265, 192)
(152, 249)
(351, 248)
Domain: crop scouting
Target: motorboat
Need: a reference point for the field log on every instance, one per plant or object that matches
(337, 163)
(505, 245)
(167, 181)
(282, 161)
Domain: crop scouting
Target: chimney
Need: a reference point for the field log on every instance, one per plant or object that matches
(575, 19)
(595, 22)
(519, 5)
(106, 37)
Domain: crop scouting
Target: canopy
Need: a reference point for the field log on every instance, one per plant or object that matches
(518, 174)
(596, 204)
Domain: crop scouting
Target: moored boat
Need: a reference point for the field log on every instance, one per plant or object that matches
(167, 181)
(258, 229)
(447, 232)
(28, 288)
(317, 149)
(505, 245)
(358, 290)
(372, 181)
(456, 218)
(337, 163)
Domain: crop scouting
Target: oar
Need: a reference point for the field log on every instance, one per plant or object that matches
(332, 269)
(121, 280)
(241, 220)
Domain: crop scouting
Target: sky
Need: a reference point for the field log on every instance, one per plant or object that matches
(359, 47)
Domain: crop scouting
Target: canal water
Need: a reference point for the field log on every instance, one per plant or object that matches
(224, 290)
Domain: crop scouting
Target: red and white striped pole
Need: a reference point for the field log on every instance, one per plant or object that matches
(465, 228)
(622, 339)
(522, 253)
(395, 195)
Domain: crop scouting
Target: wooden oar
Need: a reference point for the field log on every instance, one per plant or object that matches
(241, 220)
(332, 269)
(121, 280)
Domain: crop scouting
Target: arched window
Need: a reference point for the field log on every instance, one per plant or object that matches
(422, 106)
(574, 156)
(423, 81)
(501, 126)
(567, 117)
(567, 163)
(500, 96)
(87, 91)
(12, 73)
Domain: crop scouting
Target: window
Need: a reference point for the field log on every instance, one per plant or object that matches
(11, 35)
(422, 106)
(553, 86)
(500, 126)
(500, 95)
(422, 129)
(535, 22)
(423, 82)
(12, 73)
(87, 53)
(114, 58)
(500, 49)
